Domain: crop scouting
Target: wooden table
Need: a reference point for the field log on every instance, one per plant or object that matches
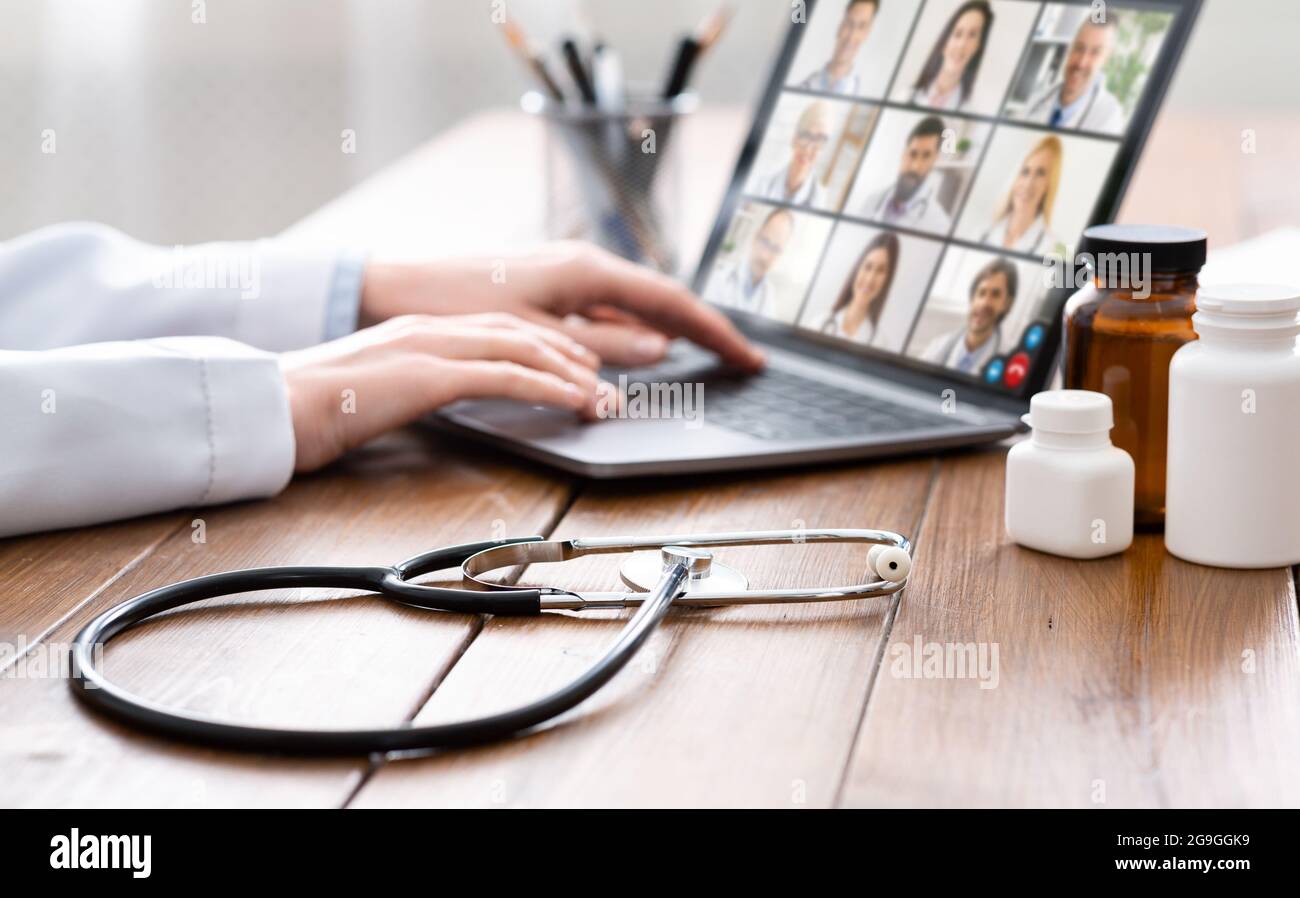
(1132, 681)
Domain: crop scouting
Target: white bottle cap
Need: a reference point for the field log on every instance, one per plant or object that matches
(1248, 299)
(1070, 411)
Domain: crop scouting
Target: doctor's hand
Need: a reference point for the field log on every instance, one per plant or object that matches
(345, 392)
(623, 312)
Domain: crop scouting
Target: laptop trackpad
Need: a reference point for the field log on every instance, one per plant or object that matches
(614, 439)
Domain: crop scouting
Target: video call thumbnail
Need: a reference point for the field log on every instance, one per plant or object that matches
(852, 50)
(978, 305)
(1087, 76)
(963, 54)
(870, 286)
(811, 150)
(1035, 191)
(767, 259)
(917, 170)
(921, 160)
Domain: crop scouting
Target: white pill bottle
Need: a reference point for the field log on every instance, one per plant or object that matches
(1233, 482)
(1069, 491)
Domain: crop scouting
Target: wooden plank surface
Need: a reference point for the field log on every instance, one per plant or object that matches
(322, 659)
(1119, 681)
(49, 575)
(735, 706)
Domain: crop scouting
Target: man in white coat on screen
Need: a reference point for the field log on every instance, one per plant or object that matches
(1080, 100)
(795, 182)
(910, 200)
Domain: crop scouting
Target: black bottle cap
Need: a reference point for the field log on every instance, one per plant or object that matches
(1171, 249)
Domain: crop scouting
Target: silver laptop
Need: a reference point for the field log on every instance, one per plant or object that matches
(875, 240)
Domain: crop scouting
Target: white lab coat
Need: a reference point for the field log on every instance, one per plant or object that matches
(834, 326)
(1037, 239)
(952, 103)
(733, 287)
(125, 392)
(772, 187)
(820, 80)
(949, 349)
(922, 211)
(1101, 111)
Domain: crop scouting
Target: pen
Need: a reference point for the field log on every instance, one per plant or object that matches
(607, 78)
(611, 97)
(691, 48)
(578, 71)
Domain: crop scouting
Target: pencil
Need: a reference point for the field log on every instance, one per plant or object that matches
(519, 43)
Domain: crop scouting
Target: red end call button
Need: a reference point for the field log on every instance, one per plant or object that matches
(1017, 369)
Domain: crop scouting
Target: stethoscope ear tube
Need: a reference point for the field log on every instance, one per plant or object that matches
(92, 688)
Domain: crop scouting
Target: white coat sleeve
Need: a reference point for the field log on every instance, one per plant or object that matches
(111, 430)
(165, 403)
(85, 283)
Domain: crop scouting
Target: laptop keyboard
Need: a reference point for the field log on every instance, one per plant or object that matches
(780, 405)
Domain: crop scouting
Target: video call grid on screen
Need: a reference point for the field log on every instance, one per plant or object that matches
(918, 164)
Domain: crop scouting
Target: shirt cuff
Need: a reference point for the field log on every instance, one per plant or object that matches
(300, 296)
(343, 306)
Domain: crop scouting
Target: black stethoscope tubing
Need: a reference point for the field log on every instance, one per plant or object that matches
(91, 687)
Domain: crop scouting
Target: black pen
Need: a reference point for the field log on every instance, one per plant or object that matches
(692, 48)
(578, 71)
(687, 52)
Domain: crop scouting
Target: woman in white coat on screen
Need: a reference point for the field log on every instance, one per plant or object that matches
(1023, 221)
(947, 79)
(856, 313)
(137, 379)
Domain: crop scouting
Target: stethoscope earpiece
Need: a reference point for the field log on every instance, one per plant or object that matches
(889, 563)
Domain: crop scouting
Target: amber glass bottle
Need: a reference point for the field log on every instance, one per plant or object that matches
(1121, 332)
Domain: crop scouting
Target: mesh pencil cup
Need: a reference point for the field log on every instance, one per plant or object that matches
(614, 177)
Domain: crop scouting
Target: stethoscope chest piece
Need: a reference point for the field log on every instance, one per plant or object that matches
(642, 571)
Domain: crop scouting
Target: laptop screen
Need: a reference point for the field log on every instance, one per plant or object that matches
(917, 163)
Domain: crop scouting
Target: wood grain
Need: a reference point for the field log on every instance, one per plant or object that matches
(736, 706)
(1119, 680)
(48, 575)
(323, 659)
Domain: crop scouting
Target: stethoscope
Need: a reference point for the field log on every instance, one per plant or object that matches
(662, 571)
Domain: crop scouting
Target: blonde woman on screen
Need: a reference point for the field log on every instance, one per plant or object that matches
(948, 77)
(856, 313)
(1024, 217)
